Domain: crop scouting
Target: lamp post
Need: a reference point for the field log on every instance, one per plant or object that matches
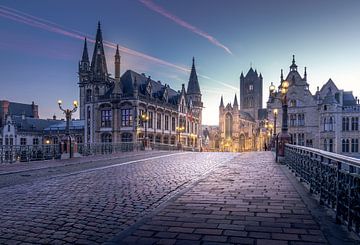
(275, 118)
(145, 118)
(284, 136)
(179, 130)
(68, 114)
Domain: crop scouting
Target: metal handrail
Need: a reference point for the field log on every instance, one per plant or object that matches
(334, 178)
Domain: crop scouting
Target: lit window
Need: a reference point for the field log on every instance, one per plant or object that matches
(106, 118)
(126, 118)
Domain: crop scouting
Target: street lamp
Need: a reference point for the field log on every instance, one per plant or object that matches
(145, 118)
(284, 136)
(275, 111)
(68, 114)
(179, 130)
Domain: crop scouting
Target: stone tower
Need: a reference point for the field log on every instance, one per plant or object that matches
(251, 87)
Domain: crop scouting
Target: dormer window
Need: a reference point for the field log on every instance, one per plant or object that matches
(165, 96)
(148, 88)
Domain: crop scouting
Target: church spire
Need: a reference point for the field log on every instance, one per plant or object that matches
(117, 64)
(221, 102)
(235, 102)
(193, 85)
(98, 62)
(85, 55)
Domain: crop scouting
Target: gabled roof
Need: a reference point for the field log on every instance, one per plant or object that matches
(246, 116)
(348, 99)
(262, 114)
(28, 124)
(157, 89)
(330, 83)
(19, 109)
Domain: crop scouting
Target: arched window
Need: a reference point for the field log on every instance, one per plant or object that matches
(106, 138)
(126, 137)
(228, 125)
(325, 145)
(292, 103)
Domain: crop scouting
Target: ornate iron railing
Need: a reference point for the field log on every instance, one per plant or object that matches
(334, 178)
(26, 153)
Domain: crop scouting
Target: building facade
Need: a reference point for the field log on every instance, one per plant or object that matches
(112, 106)
(327, 120)
(17, 109)
(242, 129)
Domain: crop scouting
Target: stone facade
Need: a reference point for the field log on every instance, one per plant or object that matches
(327, 120)
(243, 129)
(111, 107)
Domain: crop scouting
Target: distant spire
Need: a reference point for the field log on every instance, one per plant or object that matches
(193, 84)
(293, 66)
(85, 55)
(305, 74)
(235, 102)
(221, 102)
(282, 75)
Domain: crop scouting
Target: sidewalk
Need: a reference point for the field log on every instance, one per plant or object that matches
(247, 201)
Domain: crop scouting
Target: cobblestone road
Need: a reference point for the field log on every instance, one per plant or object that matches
(247, 201)
(93, 205)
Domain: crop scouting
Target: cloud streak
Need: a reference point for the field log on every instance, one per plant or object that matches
(49, 26)
(160, 10)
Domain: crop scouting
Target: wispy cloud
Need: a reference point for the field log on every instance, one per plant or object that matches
(30, 20)
(154, 7)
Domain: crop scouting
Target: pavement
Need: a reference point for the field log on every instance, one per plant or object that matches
(165, 198)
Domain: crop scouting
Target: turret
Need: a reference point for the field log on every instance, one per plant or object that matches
(293, 66)
(221, 102)
(193, 88)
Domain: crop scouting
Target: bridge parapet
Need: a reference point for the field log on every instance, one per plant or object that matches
(334, 178)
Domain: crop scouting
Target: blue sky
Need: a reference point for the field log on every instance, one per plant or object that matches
(40, 46)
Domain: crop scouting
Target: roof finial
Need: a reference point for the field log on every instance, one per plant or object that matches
(305, 73)
(117, 49)
(293, 61)
(99, 25)
(282, 75)
(221, 102)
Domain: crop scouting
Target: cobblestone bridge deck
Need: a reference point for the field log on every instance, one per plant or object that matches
(166, 198)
